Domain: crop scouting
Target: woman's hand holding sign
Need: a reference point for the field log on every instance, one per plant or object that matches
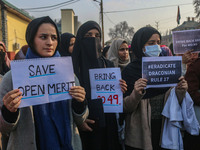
(182, 85)
(139, 86)
(123, 85)
(78, 93)
(12, 100)
(181, 89)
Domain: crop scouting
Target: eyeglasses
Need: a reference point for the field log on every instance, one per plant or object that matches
(123, 49)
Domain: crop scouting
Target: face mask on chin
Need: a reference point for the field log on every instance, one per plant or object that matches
(152, 51)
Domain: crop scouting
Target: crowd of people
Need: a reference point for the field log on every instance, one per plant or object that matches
(81, 123)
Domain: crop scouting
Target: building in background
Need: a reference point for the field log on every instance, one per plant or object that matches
(69, 22)
(13, 24)
(190, 24)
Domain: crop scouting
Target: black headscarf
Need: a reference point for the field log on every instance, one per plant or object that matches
(65, 43)
(85, 54)
(140, 38)
(133, 71)
(3, 66)
(33, 28)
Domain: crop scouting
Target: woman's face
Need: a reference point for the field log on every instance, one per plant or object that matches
(45, 41)
(71, 45)
(123, 52)
(154, 39)
(93, 33)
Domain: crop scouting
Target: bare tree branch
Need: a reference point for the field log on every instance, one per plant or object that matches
(122, 30)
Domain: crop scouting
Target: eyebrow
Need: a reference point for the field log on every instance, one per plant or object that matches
(48, 34)
(152, 40)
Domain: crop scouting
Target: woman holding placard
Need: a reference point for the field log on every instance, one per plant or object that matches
(143, 107)
(46, 126)
(99, 131)
(118, 53)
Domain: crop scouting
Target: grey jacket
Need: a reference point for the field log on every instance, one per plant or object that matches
(21, 134)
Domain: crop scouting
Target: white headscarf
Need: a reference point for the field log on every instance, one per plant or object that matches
(113, 54)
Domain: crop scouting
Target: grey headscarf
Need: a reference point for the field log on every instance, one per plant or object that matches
(113, 54)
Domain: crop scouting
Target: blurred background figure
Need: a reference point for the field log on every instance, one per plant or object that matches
(67, 44)
(192, 77)
(21, 54)
(4, 60)
(165, 51)
(187, 58)
(105, 51)
(118, 53)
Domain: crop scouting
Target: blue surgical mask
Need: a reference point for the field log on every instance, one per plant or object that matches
(152, 51)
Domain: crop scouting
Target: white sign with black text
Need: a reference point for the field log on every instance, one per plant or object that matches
(43, 80)
(161, 71)
(105, 85)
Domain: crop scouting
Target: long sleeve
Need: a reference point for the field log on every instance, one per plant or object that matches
(193, 78)
(80, 109)
(131, 102)
(7, 125)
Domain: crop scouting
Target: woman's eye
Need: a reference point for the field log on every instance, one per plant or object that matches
(88, 35)
(54, 38)
(97, 35)
(43, 37)
(151, 43)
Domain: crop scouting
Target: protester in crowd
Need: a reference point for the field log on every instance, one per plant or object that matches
(21, 54)
(143, 107)
(118, 53)
(165, 51)
(3, 49)
(100, 129)
(67, 44)
(192, 77)
(4, 60)
(187, 58)
(46, 126)
(1, 76)
(105, 51)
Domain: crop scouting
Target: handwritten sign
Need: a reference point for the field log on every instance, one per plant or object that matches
(43, 80)
(186, 40)
(105, 85)
(161, 71)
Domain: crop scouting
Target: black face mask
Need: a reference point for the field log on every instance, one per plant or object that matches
(92, 47)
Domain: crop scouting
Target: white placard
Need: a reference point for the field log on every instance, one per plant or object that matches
(105, 84)
(43, 80)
